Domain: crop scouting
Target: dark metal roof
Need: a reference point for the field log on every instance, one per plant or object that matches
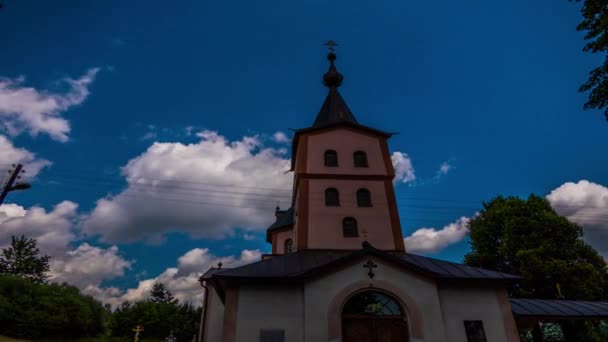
(545, 308)
(307, 263)
(212, 271)
(333, 110)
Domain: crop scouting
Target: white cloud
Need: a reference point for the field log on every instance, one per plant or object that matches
(12, 155)
(404, 170)
(280, 137)
(429, 240)
(86, 266)
(181, 280)
(205, 189)
(26, 109)
(444, 168)
(585, 203)
(53, 229)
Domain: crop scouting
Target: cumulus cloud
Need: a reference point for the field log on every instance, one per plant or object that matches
(181, 280)
(12, 155)
(585, 203)
(429, 240)
(26, 109)
(84, 266)
(404, 170)
(206, 189)
(280, 137)
(88, 265)
(53, 229)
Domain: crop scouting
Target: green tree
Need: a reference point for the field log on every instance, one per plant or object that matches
(160, 294)
(158, 320)
(527, 237)
(23, 258)
(34, 310)
(595, 23)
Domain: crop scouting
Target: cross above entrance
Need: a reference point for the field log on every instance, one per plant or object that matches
(370, 265)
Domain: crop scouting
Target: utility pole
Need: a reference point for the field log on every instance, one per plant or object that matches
(11, 185)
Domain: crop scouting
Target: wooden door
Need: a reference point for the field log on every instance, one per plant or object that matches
(374, 329)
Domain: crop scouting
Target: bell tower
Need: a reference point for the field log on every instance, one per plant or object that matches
(343, 192)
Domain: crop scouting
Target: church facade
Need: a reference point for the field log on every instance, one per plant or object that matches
(339, 270)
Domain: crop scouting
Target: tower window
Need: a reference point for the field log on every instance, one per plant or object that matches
(364, 198)
(288, 246)
(332, 197)
(349, 227)
(360, 159)
(331, 158)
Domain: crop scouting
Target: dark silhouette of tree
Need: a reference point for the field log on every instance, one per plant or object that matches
(160, 294)
(22, 258)
(595, 23)
(158, 320)
(52, 311)
(528, 238)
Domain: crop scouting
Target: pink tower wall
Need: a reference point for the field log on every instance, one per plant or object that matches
(345, 142)
(324, 224)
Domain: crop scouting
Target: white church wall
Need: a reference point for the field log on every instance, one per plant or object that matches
(460, 304)
(269, 308)
(422, 293)
(215, 314)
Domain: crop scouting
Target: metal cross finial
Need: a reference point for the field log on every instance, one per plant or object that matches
(330, 44)
(370, 265)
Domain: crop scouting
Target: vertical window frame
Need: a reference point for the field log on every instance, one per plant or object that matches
(350, 232)
(329, 201)
(330, 158)
(475, 331)
(288, 246)
(360, 159)
(365, 201)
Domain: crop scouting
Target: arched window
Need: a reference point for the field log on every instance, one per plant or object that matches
(288, 246)
(349, 227)
(364, 198)
(360, 159)
(331, 158)
(372, 303)
(332, 197)
(374, 313)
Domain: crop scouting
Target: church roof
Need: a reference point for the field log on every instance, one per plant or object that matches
(545, 308)
(284, 219)
(334, 109)
(305, 264)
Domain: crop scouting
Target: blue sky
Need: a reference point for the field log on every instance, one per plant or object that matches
(490, 88)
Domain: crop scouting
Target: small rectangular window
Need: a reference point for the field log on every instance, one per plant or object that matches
(272, 335)
(475, 331)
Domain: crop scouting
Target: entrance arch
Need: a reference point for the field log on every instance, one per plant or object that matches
(374, 316)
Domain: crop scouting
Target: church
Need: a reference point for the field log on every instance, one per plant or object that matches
(339, 269)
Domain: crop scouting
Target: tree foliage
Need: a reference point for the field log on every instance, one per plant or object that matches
(157, 319)
(595, 23)
(160, 294)
(527, 237)
(22, 258)
(30, 310)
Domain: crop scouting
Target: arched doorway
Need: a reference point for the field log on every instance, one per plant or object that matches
(373, 316)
